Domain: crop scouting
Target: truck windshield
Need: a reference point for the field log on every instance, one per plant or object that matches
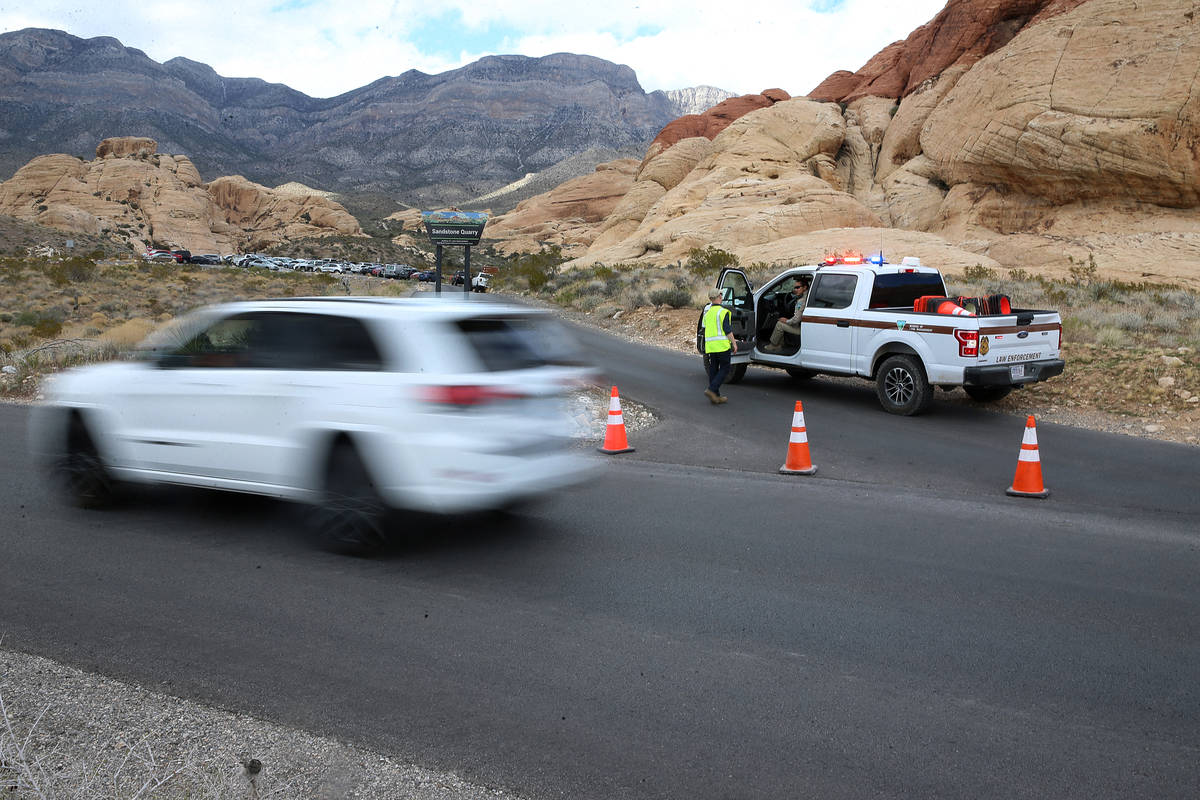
(901, 289)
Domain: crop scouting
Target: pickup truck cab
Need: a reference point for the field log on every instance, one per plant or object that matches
(858, 319)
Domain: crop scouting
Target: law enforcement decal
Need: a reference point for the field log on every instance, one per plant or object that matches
(984, 346)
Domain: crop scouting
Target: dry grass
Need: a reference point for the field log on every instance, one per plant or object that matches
(38, 767)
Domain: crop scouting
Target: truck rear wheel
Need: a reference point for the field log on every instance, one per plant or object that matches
(902, 387)
(987, 394)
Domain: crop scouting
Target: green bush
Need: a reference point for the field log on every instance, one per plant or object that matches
(979, 273)
(1081, 273)
(709, 260)
(672, 296)
(76, 269)
(536, 269)
(47, 328)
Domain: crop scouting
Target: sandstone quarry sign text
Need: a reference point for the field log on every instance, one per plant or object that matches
(454, 227)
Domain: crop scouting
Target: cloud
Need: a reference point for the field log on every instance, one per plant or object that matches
(317, 47)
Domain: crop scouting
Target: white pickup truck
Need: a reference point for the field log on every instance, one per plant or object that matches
(858, 319)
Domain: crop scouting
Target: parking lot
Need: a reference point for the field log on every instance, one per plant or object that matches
(480, 280)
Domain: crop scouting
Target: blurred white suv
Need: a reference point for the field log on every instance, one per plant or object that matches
(358, 406)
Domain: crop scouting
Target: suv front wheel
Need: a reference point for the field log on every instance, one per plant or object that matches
(81, 470)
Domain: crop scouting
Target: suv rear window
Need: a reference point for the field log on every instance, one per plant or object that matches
(510, 343)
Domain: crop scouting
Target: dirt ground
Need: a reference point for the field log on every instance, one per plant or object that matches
(1102, 389)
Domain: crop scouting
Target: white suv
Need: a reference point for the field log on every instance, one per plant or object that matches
(357, 405)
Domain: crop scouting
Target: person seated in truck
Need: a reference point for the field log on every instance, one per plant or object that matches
(790, 325)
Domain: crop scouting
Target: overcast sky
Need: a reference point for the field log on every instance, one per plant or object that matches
(326, 47)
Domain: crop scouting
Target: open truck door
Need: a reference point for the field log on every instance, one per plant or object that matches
(737, 294)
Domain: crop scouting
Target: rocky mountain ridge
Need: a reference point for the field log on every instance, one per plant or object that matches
(428, 139)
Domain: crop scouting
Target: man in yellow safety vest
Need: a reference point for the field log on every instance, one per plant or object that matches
(719, 345)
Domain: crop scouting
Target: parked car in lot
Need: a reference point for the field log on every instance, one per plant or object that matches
(206, 259)
(358, 406)
(160, 256)
(426, 275)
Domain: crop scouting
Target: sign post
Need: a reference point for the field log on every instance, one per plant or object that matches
(463, 228)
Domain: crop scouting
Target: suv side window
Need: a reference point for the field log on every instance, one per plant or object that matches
(225, 343)
(281, 340)
(833, 291)
(342, 343)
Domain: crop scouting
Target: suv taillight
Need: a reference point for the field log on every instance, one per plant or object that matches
(463, 395)
(968, 343)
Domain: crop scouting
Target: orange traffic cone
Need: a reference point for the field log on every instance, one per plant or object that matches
(951, 307)
(1028, 480)
(798, 460)
(614, 434)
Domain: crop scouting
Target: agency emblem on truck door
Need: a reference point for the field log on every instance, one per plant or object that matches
(984, 346)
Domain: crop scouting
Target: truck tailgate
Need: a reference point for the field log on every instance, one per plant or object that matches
(1020, 337)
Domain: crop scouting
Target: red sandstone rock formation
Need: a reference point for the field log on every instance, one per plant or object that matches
(964, 32)
(714, 120)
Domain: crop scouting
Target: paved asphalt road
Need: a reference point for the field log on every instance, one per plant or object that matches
(690, 624)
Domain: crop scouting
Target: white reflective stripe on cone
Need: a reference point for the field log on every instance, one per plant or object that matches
(616, 419)
(1030, 437)
(1028, 455)
(798, 419)
(798, 437)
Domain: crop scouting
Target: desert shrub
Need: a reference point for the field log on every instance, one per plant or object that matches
(1112, 337)
(76, 269)
(1082, 273)
(1182, 303)
(1055, 295)
(47, 328)
(979, 273)
(1100, 291)
(1166, 320)
(589, 302)
(709, 260)
(594, 288)
(1127, 320)
(535, 269)
(672, 296)
(603, 272)
(635, 298)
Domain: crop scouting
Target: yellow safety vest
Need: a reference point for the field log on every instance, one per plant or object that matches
(715, 338)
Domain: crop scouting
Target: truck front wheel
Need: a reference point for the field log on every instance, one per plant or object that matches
(902, 387)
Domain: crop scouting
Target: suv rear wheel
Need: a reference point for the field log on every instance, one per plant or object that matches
(351, 517)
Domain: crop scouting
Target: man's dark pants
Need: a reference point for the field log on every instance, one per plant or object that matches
(718, 370)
